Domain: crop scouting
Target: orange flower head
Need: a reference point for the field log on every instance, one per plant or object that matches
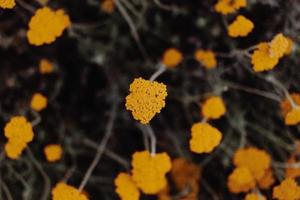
(14, 149)
(38, 102)
(287, 190)
(286, 106)
(63, 191)
(226, 7)
(172, 57)
(278, 46)
(18, 129)
(146, 99)
(108, 6)
(205, 138)
(240, 180)
(126, 188)
(293, 116)
(7, 4)
(45, 66)
(254, 196)
(206, 58)
(53, 152)
(148, 171)
(213, 108)
(241, 27)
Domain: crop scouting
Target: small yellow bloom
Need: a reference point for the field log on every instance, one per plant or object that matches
(108, 6)
(45, 66)
(46, 25)
(38, 102)
(63, 191)
(146, 98)
(18, 129)
(261, 60)
(7, 4)
(293, 116)
(148, 172)
(254, 196)
(226, 7)
(204, 138)
(213, 108)
(172, 57)
(278, 46)
(207, 58)
(53, 152)
(14, 149)
(241, 27)
(126, 188)
(240, 180)
(287, 190)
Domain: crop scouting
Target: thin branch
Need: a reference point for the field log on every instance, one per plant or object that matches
(161, 69)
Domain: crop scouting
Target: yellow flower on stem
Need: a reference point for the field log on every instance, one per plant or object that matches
(287, 190)
(38, 102)
(240, 180)
(172, 57)
(213, 108)
(126, 188)
(241, 27)
(62, 191)
(206, 58)
(53, 152)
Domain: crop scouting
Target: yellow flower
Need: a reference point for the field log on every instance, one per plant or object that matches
(213, 108)
(14, 149)
(240, 180)
(240, 27)
(207, 58)
(278, 46)
(229, 6)
(146, 98)
(126, 188)
(261, 60)
(293, 116)
(18, 129)
(256, 160)
(204, 138)
(7, 4)
(287, 190)
(46, 25)
(172, 57)
(148, 172)
(63, 191)
(254, 196)
(38, 102)
(53, 152)
(46, 67)
(108, 6)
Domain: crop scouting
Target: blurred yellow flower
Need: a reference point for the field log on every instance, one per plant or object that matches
(46, 25)
(205, 138)
(53, 152)
(14, 149)
(146, 98)
(108, 6)
(63, 191)
(148, 171)
(213, 108)
(126, 188)
(45, 66)
(240, 180)
(226, 7)
(172, 57)
(7, 4)
(206, 58)
(278, 46)
(287, 190)
(38, 102)
(18, 129)
(293, 116)
(241, 27)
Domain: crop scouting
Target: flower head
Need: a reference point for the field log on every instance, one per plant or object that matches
(256, 160)
(172, 57)
(38, 102)
(18, 129)
(213, 108)
(45, 66)
(148, 172)
(205, 138)
(278, 46)
(226, 7)
(63, 191)
(206, 58)
(146, 98)
(53, 152)
(254, 196)
(14, 149)
(108, 6)
(126, 188)
(293, 116)
(241, 27)
(240, 180)
(46, 25)
(286, 106)
(7, 4)
(287, 190)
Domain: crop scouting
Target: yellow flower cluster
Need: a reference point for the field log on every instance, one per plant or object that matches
(63, 191)
(146, 98)
(204, 138)
(45, 66)
(148, 171)
(287, 190)
(267, 55)
(46, 25)
(126, 188)
(254, 196)
(172, 57)
(206, 58)
(19, 132)
(7, 4)
(226, 7)
(38, 102)
(213, 108)
(53, 152)
(241, 180)
(108, 6)
(241, 27)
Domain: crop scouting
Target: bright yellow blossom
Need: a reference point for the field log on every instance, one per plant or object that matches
(46, 25)
(7, 4)
(126, 188)
(53, 152)
(14, 149)
(213, 108)
(287, 190)
(18, 129)
(206, 58)
(205, 138)
(278, 46)
(226, 7)
(293, 116)
(38, 102)
(63, 191)
(172, 57)
(146, 98)
(240, 180)
(241, 27)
